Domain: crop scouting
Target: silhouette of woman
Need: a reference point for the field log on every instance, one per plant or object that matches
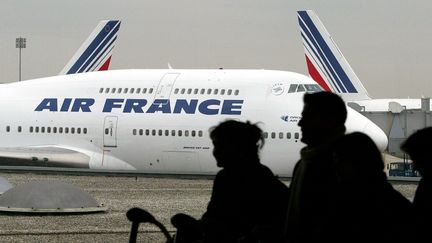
(247, 200)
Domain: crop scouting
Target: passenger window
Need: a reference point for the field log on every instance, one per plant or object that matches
(195, 91)
(166, 132)
(189, 91)
(160, 132)
(273, 135)
(7, 128)
(193, 133)
(209, 91)
(101, 90)
(85, 130)
(79, 130)
(173, 133)
(147, 132)
(187, 133)
(106, 90)
(60, 129)
(66, 130)
(153, 132)
(215, 91)
(113, 90)
(31, 129)
(144, 90)
(150, 90)
(106, 131)
(19, 129)
(73, 130)
(202, 91)
(222, 92)
(281, 135)
(176, 91)
(141, 132)
(132, 90)
(54, 129)
(134, 132)
(200, 133)
(229, 92)
(36, 129)
(296, 135)
(179, 133)
(182, 91)
(48, 129)
(119, 90)
(236, 92)
(138, 90)
(42, 129)
(288, 135)
(125, 90)
(265, 134)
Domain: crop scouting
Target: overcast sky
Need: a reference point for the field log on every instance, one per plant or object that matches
(387, 42)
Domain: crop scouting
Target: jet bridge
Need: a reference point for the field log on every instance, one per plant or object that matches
(398, 123)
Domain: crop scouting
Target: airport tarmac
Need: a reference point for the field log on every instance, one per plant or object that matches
(163, 197)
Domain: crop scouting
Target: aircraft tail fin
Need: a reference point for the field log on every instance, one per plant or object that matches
(95, 53)
(326, 63)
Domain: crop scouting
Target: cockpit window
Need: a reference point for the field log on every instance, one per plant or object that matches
(292, 88)
(304, 88)
(313, 88)
(301, 88)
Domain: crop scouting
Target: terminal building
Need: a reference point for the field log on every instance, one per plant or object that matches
(398, 123)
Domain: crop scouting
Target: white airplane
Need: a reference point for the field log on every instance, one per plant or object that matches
(154, 121)
(96, 51)
(329, 68)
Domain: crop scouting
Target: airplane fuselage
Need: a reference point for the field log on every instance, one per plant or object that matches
(155, 121)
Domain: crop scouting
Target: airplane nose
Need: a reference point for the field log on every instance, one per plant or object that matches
(377, 135)
(357, 122)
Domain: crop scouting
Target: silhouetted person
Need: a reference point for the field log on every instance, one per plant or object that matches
(247, 201)
(366, 207)
(418, 147)
(322, 123)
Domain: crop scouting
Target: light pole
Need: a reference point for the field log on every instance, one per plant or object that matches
(20, 43)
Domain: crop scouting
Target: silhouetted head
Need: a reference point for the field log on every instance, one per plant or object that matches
(418, 146)
(357, 158)
(236, 143)
(323, 117)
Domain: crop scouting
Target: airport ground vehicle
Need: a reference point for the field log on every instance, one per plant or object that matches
(401, 168)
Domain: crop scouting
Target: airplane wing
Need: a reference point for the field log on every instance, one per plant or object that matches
(95, 53)
(44, 156)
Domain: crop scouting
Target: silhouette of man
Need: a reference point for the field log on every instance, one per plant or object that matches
(366, 207)
(418, 146)
(322, 123)
(248, 201)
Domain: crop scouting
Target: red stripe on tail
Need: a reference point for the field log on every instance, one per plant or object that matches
(105, 66)
(315, 75)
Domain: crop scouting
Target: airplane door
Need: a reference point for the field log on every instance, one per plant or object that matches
(165, 85)
(110, 131)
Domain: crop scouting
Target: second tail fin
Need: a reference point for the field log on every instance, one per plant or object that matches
(326, 63)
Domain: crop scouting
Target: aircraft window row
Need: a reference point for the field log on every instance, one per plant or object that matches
(126, 90)
(166, 133)
(37, 129)
(206, 91)
(281, 135)
(304, 88)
